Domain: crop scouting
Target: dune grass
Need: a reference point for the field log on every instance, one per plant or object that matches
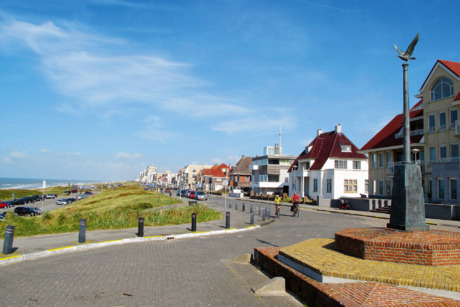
(111, 209)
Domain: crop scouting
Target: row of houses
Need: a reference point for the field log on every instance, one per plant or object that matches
(331, 166)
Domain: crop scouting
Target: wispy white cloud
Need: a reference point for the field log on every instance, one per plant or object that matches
(21, 154)
(126, 155)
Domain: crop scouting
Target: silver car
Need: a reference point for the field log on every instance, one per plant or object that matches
(200, 195)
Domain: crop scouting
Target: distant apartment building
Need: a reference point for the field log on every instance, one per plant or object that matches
(149, 176)
(330, 167)
(189, 174)
(270, 171)
(214, 178)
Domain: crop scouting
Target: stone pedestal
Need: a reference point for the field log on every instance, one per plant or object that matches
(407, 201)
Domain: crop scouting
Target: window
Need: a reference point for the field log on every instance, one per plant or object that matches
(443, 88)
(453, 189)
(381, 187)
(431, 123)
(263, 178)
(454, 150)
(329, 186)
(453, 118)
(380, 160)
(350, 186)
(442, 152)
(374, 161)
(442, 121)
(388, 157)
(315, 185)
(248, 178)
(388, 190)
(346, 148)
(441, 188)
(341, 164)
(432, 154)
(356, 164)
(366, 186)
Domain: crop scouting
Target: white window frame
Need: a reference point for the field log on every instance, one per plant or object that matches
(442, 127)
(431, 125)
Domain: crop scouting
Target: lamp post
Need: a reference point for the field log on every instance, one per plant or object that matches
(225, 187)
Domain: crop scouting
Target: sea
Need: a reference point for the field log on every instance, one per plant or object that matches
(29, 183)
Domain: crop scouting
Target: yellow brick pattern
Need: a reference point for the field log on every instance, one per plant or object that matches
(320, 256)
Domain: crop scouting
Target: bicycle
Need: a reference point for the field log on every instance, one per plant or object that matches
(295, 212)
(277, 211)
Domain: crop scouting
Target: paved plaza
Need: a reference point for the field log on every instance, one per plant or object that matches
(195, 271)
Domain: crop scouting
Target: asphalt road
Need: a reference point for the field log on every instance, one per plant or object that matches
(186, 272)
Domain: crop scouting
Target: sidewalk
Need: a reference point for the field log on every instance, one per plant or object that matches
(45, 245)
(437, 222)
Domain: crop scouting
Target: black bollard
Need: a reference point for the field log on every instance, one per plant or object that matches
(252, 209)
(82, 232)
(244, 207)
(263, 215)
(252, 218)
(140, 227)
(259, 209)
(193, 221)
(227, 220)
(8, 243)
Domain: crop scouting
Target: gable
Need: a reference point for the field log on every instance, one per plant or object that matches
(451, 68)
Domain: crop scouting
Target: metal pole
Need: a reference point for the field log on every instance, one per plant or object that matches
(82, 232)
(140, 227)
(8, 242)
(252, 218)
(227, 220)
(193, 221)
(406, 116)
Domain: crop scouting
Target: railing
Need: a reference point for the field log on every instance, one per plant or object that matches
(457, 128)
(450, 159)
(412, 133)
(431, 129)
(391, 166)
(442, 128)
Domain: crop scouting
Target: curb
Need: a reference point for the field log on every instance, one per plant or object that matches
(67, 249)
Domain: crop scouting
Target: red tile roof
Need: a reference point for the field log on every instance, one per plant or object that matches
(386, 137)
(216, 170)
(457, 97)
(328, 145)
(452, 66)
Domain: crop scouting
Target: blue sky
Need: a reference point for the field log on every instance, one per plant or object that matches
(99, 89)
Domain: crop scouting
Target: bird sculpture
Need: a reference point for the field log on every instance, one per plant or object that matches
(406, 56)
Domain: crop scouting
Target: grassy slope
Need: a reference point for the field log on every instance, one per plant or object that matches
(110, 209)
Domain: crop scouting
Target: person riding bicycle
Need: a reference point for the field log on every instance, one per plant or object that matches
(277, 205)
(295, 204)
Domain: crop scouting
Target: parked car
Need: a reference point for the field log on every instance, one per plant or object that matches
(168, 190)
(5, 204)
(50, 196)
(200, 195)
(183, 193)
(62, 202)
(71, 199)
(80, 196)
(88, 193)
(37, 210)
(36, 197)
(27, 199)
(192, 194)
(17, 202)
(24, 211)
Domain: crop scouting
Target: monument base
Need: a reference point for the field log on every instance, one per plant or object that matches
(407, 201)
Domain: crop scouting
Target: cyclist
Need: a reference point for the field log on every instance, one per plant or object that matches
(278, 206)
(295, 204)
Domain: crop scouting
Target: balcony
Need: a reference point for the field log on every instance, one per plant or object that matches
(457, 128)
(400, 135)
(449, 160)
(442, 128)
(391, 166)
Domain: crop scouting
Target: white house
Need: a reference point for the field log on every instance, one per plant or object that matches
(329, 167)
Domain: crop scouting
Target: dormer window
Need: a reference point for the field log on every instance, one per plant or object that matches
(345, 148)
(443, 88)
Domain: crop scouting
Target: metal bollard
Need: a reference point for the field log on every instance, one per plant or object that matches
(244, 207)
(193, 221)
(259, 209)
(140, 227)
(82, 232)
(251, 210)
(269, 211)
(263, 216)
(8, 242)
(227, 220)
(236, 207)
(252, 218)
(230, 205)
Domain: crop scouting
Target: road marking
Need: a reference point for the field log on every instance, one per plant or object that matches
(110, 241)
(59, 248)
(11, 257)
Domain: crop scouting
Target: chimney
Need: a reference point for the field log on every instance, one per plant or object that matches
(319, 132)
(338, 129)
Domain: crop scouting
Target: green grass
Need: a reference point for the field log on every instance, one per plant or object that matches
(111, 209)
